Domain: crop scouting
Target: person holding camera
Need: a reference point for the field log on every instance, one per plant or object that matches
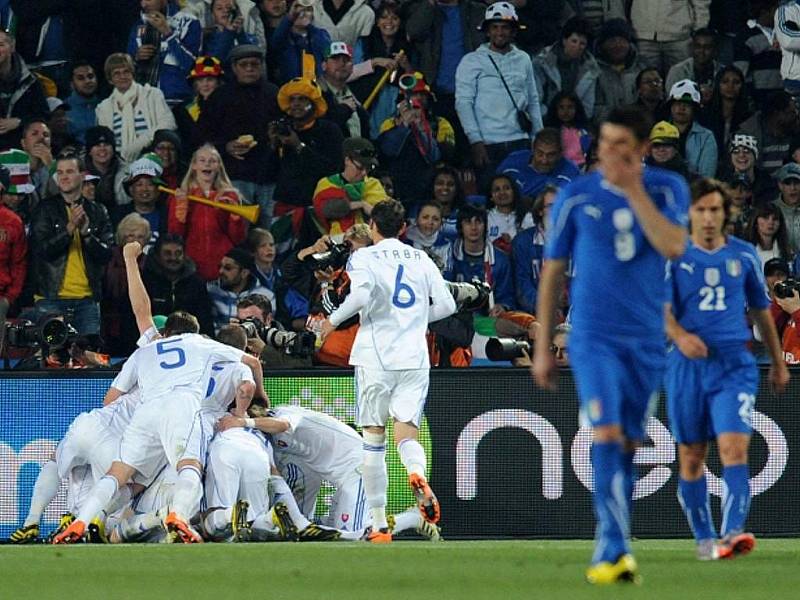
(236, 281)
(254, 313)
(296, 37)
(227, 30)
(784, 293)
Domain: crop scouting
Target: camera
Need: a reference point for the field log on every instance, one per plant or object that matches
(293, 343)
(282, 126)
(469, 295)
(507, 349)
(786, 288)
(50, 332)
(233, 13)
(335, 257)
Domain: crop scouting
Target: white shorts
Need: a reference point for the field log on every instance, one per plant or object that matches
(397, 394)
(158, 430)
(348, 510)
(87, 442)
(305, 484)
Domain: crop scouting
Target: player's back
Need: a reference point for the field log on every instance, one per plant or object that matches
(711, 290)
(222, 384)
(118, 414)
(391, 335)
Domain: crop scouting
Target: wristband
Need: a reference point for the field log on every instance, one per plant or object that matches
(250, 423)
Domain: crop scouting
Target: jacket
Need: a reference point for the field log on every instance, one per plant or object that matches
(50, 243)
(787, 32)
(355, 23)
(548, 78)
(81, 114)
(701, 150)
(333, 190)
(527, 257)
(424, 29)
(23, 98)
(187, 292)
(253, 25)
(685, 70)
(13, 254)
(287, 49)
(791, 214)
(495, 269)
(484, 107)
(616, 87)
(670, 20)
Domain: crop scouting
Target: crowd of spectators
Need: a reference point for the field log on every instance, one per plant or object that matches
(116, 115)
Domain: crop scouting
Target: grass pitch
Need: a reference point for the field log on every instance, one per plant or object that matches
(494, 570)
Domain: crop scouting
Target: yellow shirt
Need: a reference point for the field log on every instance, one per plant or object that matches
(75, 284)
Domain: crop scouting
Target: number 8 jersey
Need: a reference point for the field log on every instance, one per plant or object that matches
(400, 287)
(711, 290)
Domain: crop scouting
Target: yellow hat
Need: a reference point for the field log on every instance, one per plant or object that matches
(302, 87)
(664, 132)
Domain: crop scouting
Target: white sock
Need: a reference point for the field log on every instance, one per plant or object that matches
(410, 519)
(44, 490)
(412, 455)
(263, 528)
(375, 477)
(351, 536)
(100, 497)
(218, 522)
(188, 492)
(122, 498)
(282, 493)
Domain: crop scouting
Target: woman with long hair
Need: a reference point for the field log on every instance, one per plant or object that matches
(447, 190)
(507, 214)
(729, 106)
(566, 113)
(209, 231)
(767, 231)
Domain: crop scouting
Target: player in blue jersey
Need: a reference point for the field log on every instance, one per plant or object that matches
(618, 225)
(712, 377)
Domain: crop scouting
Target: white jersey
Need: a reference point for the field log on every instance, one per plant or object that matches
(318, 442)
(118, 414)
(179, 363)
(498, 223)
(222, 386)
(397, 283)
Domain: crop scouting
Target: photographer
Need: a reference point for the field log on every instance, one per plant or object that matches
(308, 147)
(785, 307)
(227, 30)
(256, 310)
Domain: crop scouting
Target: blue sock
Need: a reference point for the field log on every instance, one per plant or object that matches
(735, 498)
(693, 496)
(610, 504)
(629, 470)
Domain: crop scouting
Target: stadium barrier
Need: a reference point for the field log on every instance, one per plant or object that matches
(508, 459)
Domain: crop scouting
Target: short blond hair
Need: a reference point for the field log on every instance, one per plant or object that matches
(115, 61)
(359, 231)
(130, 223)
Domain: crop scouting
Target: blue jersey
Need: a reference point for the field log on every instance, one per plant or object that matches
(618, 283)
(711, 290)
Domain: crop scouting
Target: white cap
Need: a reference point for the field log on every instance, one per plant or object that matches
(684, 88)
(500, 11)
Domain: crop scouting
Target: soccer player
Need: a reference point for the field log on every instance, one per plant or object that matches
(397, 290)
(618, 225)
(712, 377)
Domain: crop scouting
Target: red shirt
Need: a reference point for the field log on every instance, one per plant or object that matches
(13, 254)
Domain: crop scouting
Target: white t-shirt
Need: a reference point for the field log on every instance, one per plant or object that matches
(499, 223)
(397, 290)
(222, 386)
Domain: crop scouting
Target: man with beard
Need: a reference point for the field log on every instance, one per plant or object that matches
(236, 281)
(486, 80)
(83, 100)
(172, 282)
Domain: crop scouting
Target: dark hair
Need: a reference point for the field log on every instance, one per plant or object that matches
(233, 335)
(374, 45)
(71, 155)
(458, 199)
(537, 210)
(705, 32)
(520, 208)
(167, 238)
(77, 64)
(469, 212)
(703, 186)
(31, 122)
(775, 102)
(179, 322)
(434, 203)
(258, 300)
(646, 70)
(551, 120)
(548, 135)
(781, 236)
(577, 25)
(741, 109)
(634, 118)
(388, 217)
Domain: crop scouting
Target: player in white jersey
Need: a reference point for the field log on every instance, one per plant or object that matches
(172, 374)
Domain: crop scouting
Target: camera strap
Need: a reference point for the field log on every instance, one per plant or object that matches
(503, 79)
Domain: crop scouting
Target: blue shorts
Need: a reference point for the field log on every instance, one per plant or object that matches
(710, 396)
(617, 383)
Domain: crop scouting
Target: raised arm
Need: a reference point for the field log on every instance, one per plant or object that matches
(140, 301)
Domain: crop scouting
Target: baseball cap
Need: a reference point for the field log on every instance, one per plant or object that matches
(305, 3)
(360, 150)
(338, 49)
(788, 171)
(685, 90)
(740, 180)
(664, 132)
(53, 104)
(774, 266)
(501, 11)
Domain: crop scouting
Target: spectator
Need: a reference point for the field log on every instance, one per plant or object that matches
(227, 29)
(119, 323)
(696, 142)
(259, 307)
(71, 240)
(663, 29)
(236, 281)
(251, 22)
(766, 230)
(701, 67)
(543, 164)
(343, 107)
(789, 204)
(20, 196)
(294, 38)
(141, 184)
(426, 234)
(164, 45)
(36, 141)
(619, 65)
(206, 76)
(271, 12)
(787, 32)
(13, 253)
(209, 231)
(60, 137)
(497, 121)
(773, 127)
(756, 54)
(347, 198)
(528, 251)
(21, 95)
(102, 160)
(743, 160)
(596, 13)
(168, 147)
(785, 311)
(83, 100)
(445, 188)
(649, 91)
(310, 148)
(442, 33)
(134, 112)
(567, 115)
(741, 192)
(475, 257)
(729, 106)
(664, 152)
(235, 119)
(508, 214)
(172, 282)
(568, 66)
(345, 21)
(414, 141)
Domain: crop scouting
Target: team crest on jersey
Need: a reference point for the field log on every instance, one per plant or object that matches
(622, 219)
(345, 517)
(734, 267)
(712, 276)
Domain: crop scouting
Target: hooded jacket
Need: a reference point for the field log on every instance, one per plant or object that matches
(21, 96)
(616, 87)
(355, 23)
